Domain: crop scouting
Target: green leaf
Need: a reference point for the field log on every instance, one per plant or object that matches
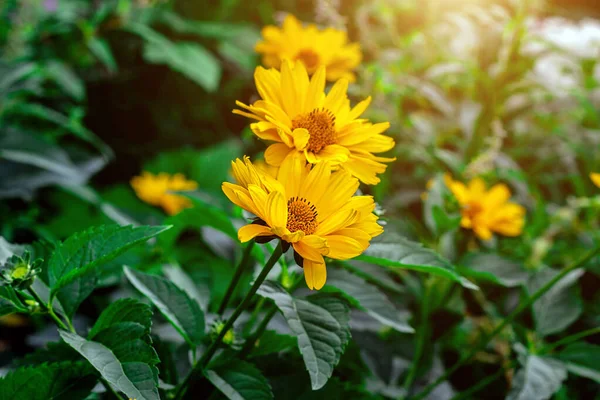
(239, 380)
(560, 306)
(123, 310)
(496, 269)
(398, 252)
(28, 163)
(101, 49)
(83, 252)
(272, 342)
(66, 79)
(538, 379)
(582, 359)
(177, 275)
(190, 59)
(178, 308)
(64, 380)
(368, 298)
(135, 379)
(321, 326)
(215, 30)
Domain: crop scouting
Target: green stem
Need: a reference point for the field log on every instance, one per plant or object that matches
(49, 309)
(251, 341)
(236, 277)
(424, 328)
(523, 306)
(467, 394)
(212, 349)
(254, 315)
(569, 339)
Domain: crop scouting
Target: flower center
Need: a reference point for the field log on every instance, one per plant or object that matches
(302, 216)
(320, 124)
(309, 58)
(472, 209)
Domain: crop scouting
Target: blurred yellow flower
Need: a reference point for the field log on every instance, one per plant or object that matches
(595, 177)
(155, 190)
(313, 47)
(296, 114)
(486, 211)
(314, 210)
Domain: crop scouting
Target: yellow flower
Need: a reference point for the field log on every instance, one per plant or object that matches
(486, 211)
(155, 190)
(296, 114)
(314, 210)
(595, 177)
(313, 47)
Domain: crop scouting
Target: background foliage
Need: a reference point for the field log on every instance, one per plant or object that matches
(94, 92)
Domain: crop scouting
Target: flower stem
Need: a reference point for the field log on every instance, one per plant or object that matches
(569, 339)
(236, 277)
(523, 306)
(422, 335)
(49, 309)
(251, 341)
(212, 349)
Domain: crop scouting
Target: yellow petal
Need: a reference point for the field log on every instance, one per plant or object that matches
(337, 220)
(333, 153)
(291, 173)
(276, 153)
(301, 137)
(343, 247)
(276, 211)
(595, 177)
(315, 95)
(315, 274)
(307, 251)
(315, 184)
(336, 98)
(250, 231)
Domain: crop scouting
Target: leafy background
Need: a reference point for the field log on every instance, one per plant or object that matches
(94, 92)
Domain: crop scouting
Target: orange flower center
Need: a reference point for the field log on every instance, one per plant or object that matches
(471, 210)
(302, 216)
(309, 58)
(320, 124)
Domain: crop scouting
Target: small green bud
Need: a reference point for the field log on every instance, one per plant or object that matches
(230, 338)
(19, 272)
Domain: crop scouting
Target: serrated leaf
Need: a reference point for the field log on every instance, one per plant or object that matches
(239, 380)
(538, 379)
(178, 308)
(494, 268)
(560, 306)
(136, 380)
(398, 252)
(65, 380)
(123, 310)
(83, 252)
(321, 326)
(272, 342)
(368, 298)
(582, 359)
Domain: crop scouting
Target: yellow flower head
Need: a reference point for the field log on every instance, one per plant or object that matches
(595, 177)
(313, 47)
(296, 114)
(314, 210)
(155, 190)
(486, 211)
